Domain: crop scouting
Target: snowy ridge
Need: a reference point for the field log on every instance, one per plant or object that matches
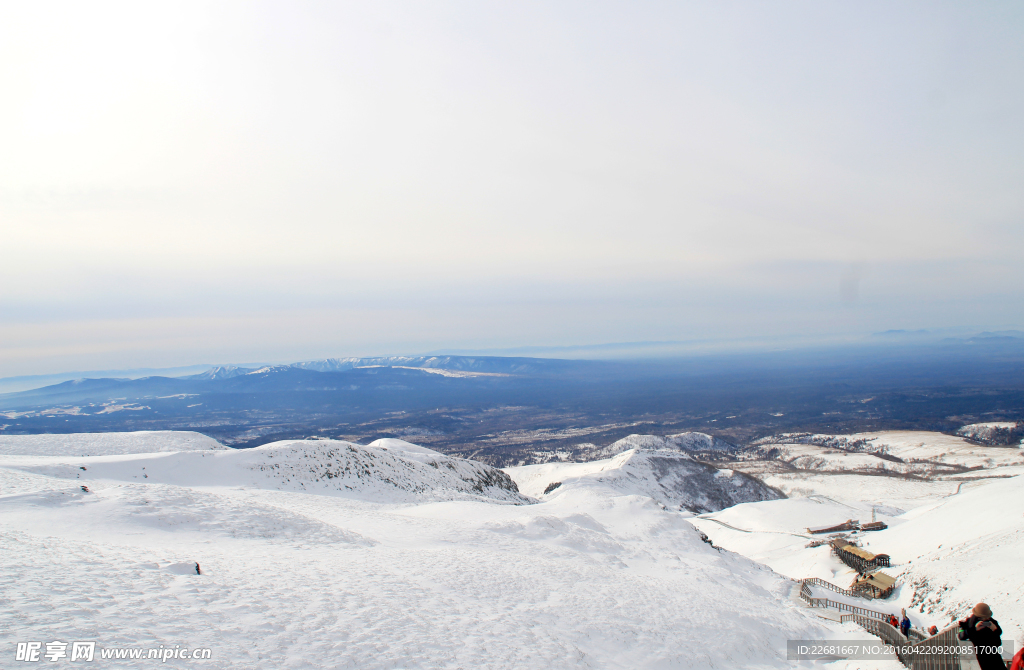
(447, 366)
(670, 477)
(220, 372)
(994, 433)
(387, 470)
(687, 442)
(481, 364)
(106, 444)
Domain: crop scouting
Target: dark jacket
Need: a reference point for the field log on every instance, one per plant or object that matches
(984, 638)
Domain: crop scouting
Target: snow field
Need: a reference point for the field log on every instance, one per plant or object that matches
(387, 470)
(106, 444)
(921, 452)
(406, 570)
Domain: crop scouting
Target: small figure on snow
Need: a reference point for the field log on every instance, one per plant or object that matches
(198, 572)
(905, 625)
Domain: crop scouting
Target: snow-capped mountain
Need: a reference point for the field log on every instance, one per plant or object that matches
(386, 470)
(220, 372)
(670, 477)
(478, 364)
(687, 442)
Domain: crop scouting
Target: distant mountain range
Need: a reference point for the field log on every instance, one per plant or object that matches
(390, 373)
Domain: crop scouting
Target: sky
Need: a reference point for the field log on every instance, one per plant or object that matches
(228, 182)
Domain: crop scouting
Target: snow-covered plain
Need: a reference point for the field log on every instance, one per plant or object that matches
(918, 453)
(106, 444)
(319, 554)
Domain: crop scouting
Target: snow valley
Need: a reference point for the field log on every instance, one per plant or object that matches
(332, 554)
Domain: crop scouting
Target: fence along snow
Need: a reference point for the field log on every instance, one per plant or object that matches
(938, 652)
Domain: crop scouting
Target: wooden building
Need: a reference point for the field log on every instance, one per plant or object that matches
(849, 524)
(857, 558)
(877, 584)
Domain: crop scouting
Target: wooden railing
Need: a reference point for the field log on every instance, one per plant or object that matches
(937, 652)
(808, 597)
(838, 589)
(846, 607)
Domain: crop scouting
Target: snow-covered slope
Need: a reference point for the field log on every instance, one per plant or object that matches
(292, 578)
(105, 444)
(996, 433)
(948, 551)
(963, 549)
(387, 470)
(671, 477)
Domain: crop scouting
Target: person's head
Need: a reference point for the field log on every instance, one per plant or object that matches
(982, 611)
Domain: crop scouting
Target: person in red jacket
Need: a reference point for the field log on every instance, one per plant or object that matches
(1018, 660)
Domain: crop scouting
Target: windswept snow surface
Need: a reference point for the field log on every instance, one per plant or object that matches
(670, 477)
(386, 471)
(361, 572)
(106, 444)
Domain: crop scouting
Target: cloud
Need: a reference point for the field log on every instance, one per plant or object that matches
(849, 282)
(623, 163)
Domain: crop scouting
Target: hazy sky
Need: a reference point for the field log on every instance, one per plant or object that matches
(219, 182)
